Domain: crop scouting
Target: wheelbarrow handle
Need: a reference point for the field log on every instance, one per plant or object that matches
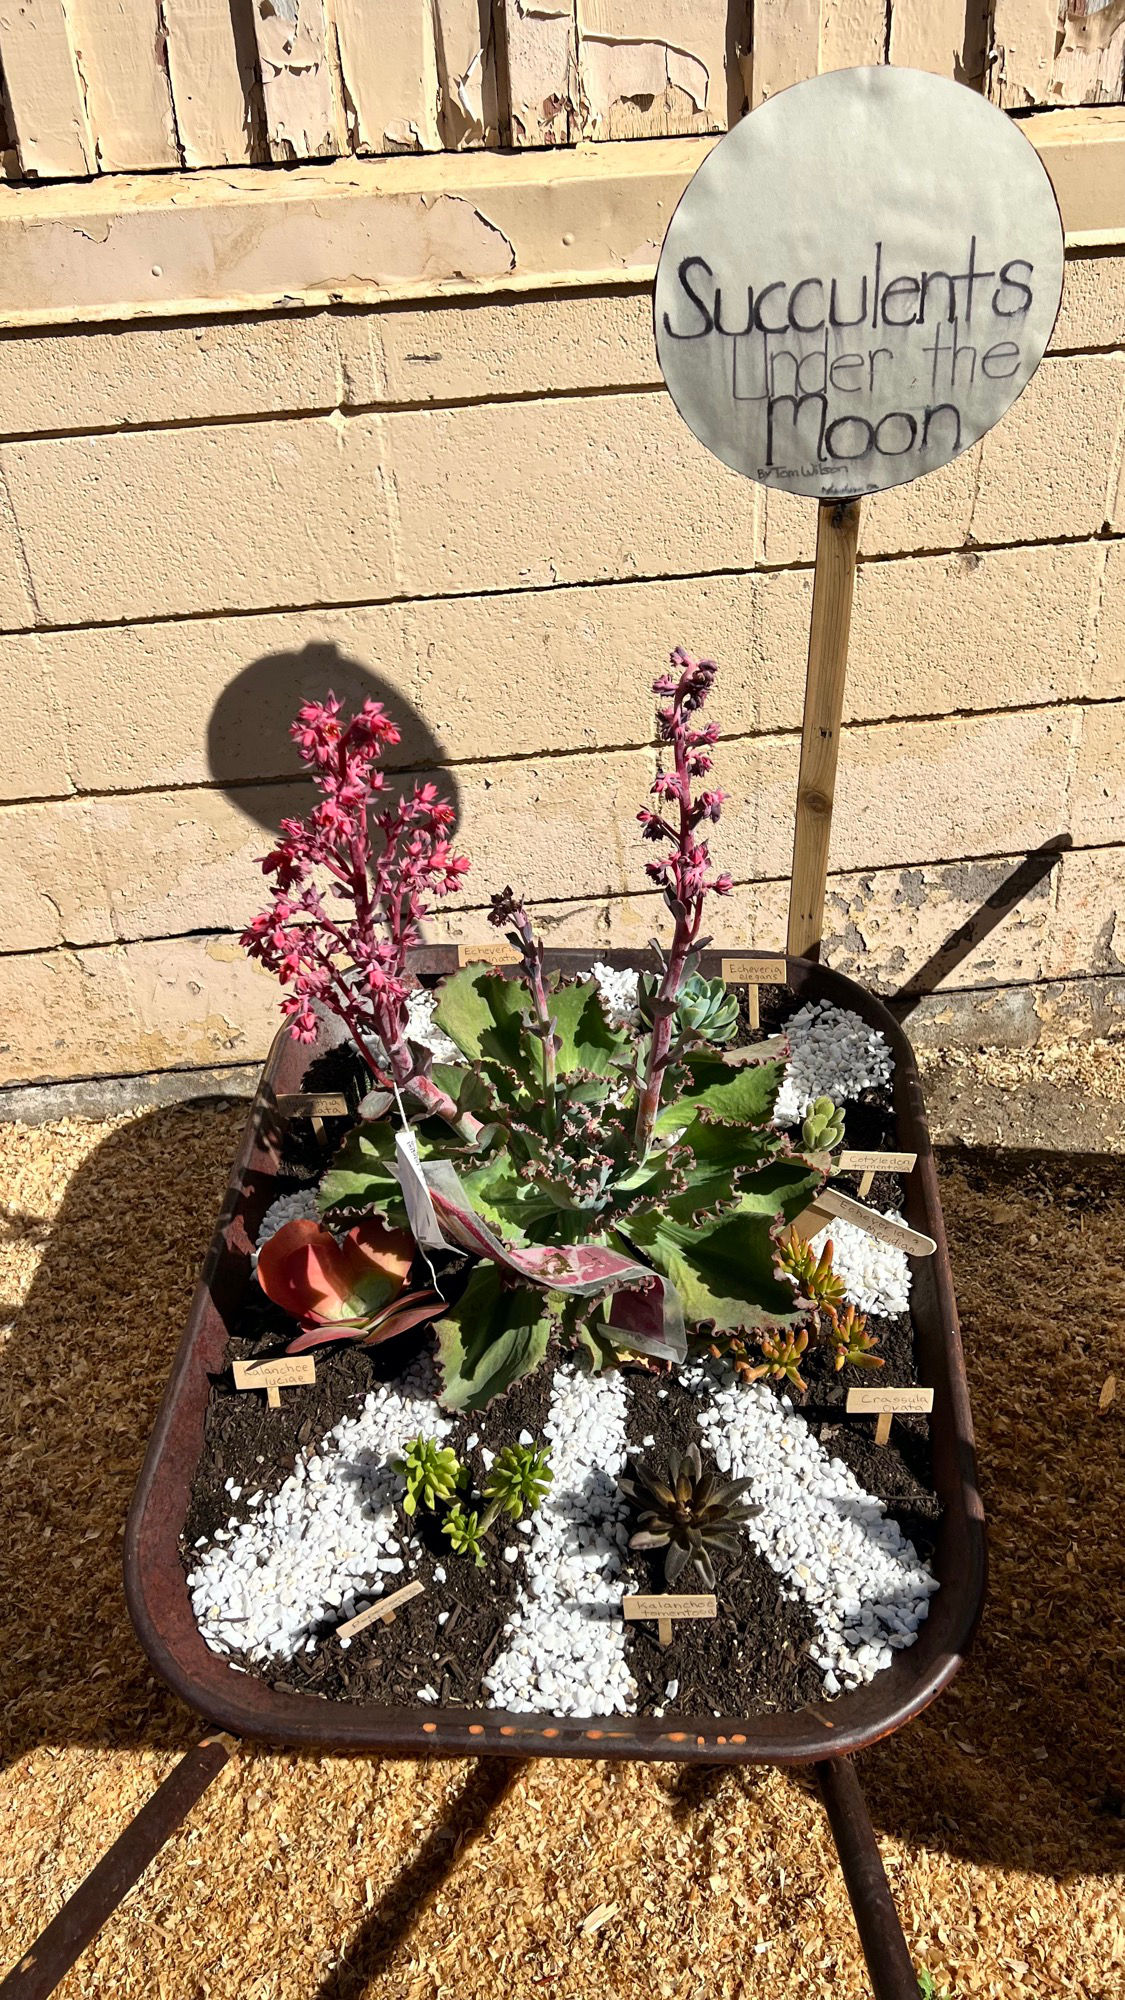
(50, 1958)
(880, 1933)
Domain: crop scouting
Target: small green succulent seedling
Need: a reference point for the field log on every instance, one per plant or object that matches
(688, 1513)
(706, 1009)
(811, 1275)
(782, 1354)
(465, 1531)
(823, 1126)
(432, 1472)
(519, 1479)
(851, 1341)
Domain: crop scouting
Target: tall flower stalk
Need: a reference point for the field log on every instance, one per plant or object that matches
(508, 910)
(383, 863)
(683, 873)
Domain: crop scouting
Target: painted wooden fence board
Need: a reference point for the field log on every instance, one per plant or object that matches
(47, 109)
(302, 120)
(947, 36)
(389, 71)
(852, 31)
(469, 112)
(540, 39)
(119, 46)
(1089, 66)
(1023, 33)
(212, 84)
(652, 68)
(786, 45)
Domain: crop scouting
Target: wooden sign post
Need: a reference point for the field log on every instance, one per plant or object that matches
(831, 1207)
(884, 1404)
(855, 286)
(288, 1371)
(382, 1611)
(665, 1610)
(752, 973)
(867, 1165)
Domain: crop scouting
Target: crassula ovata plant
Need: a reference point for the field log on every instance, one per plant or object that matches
(618, 1186)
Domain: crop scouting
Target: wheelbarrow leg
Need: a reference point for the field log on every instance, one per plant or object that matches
(51, 1956)
(888, 1961)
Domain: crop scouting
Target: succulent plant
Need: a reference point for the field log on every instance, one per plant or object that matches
(465, 1530)
(811, 1274)
(705, 1009)
(688, 1513)
(852, 1343)
(823, 1126)
(519, 1479)
(432, 1472)
(346, 1289)
(782, 1355)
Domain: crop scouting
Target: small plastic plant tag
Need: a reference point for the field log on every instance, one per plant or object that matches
(383, 1610)
(424, 1225)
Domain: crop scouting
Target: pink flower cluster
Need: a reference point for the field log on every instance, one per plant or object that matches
(353, 962)
(683, 875)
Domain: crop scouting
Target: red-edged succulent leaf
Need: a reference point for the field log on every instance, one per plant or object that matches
(303, 1269)
(412, 1309)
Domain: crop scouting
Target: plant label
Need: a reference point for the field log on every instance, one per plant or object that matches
(488, 954)
(887, 1403)
(288, 1371)
(867, 1165)
(858, 282)
(382, 1611)
(312, 1104)
(753, 972)
(913, 1241)
(664, 1610)
(424, 1225)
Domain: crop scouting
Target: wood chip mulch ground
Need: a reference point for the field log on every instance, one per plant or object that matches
(319, 1878)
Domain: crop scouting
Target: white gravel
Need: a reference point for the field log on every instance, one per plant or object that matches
(876, 1276)
(619, 988)
(829, 1541)
(326, 1543)
(420, 1027)
(833, 1053)
(565, 1642)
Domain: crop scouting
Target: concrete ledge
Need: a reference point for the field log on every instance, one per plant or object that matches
(411, 226)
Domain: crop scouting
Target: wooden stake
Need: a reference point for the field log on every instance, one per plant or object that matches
(883, 1427)
(665, 1608)
(866, 1182)
(837, 534)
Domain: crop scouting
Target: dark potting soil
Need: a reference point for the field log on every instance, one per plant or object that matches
(752, 1659)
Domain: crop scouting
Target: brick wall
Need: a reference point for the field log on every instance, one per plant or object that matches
(495, 510)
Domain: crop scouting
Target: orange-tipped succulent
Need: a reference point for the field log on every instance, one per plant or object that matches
(851, 1341)
(343, 1289)
(812, 1275)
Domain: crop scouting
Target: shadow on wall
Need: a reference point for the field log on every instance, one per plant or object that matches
(248, 732)
(1014, 1765)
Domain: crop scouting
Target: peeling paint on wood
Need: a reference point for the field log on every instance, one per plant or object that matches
(466, 69)
(46, 101)
(389, 78)
(786, 45)
(652, 67)
(120, 54)
(949, 37)
(1090, 64)
(300, 108)
(540, 37)
(211, 88)
(1024, 34)
(853, 31)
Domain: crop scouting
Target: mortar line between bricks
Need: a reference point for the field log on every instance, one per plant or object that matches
(315, 412)
(557, 753)
(1101, 537)
(595, 898)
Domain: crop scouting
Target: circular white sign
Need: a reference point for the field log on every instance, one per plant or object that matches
(858, 282)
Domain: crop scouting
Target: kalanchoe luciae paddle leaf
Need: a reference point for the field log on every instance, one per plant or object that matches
(349, 1289)
(688, 1512)
(432, 1472)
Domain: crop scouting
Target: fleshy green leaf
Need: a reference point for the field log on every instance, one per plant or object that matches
(586, 1040)
(724, 1270)
(482, 1012)
(489, 1340)
(360, 1179)
(746, 1095)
